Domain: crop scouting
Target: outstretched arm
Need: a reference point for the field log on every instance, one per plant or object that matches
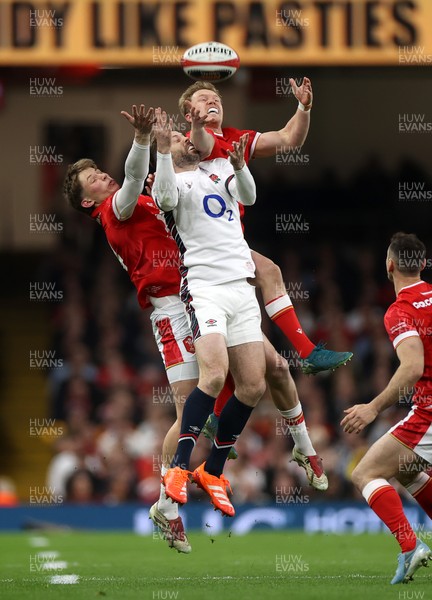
(295, 131)
(165, 184)
(200, 137)
(137, 162)
(242, 186)
(411, 355)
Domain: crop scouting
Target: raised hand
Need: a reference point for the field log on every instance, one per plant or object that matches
(303, 92)
(237, 154)
(197, 120)
(162, 130)
(141, 121)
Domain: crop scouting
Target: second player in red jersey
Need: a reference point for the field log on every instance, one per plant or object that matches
(405, 451)
(144, 247)
(141, 242)
(411, 316)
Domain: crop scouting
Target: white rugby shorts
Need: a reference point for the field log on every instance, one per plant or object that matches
(173, 338)
(228, 308)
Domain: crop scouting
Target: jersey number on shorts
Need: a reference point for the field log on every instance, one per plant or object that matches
(222, 207)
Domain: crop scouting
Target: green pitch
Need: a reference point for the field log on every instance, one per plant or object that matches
(257, 566)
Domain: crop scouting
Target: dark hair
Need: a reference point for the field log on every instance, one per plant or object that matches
(408, 253)
(72, 188)
(195, 87)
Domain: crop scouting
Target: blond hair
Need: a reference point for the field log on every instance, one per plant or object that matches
(195, 87)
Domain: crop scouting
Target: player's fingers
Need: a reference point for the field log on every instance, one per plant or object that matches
(127, 116)
(347, 421)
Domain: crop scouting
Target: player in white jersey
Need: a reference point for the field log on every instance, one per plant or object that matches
(208, 222)
(202, 212)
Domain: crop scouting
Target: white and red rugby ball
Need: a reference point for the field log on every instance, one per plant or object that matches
(210, 61)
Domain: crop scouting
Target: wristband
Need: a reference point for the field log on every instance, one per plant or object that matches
(305, 108)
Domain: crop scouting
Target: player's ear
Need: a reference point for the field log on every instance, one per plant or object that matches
(87, 203)
(188, 117)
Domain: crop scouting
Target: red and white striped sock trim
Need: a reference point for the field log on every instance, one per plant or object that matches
(372, 487)
(278, 305)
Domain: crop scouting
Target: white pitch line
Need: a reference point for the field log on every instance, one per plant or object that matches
(262, 577)
(38, 542)
(51, 565)
(64, 579)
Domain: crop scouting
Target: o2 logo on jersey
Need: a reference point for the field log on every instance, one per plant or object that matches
(215, 207)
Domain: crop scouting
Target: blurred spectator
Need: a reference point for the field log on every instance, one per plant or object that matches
(80, 488)
(8, 494)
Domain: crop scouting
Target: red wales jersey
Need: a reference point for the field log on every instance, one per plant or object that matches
(144, 247)
(225, 139)
(230, 135)
(411, 315)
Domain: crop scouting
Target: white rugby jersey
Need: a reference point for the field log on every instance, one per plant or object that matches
(203, 215)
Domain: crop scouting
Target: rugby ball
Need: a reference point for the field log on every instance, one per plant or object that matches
(210, 61)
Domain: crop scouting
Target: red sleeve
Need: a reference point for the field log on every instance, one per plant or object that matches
(232, 135)
(222, 144)
(399, 325)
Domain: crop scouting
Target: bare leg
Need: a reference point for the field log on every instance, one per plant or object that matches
(278, 304)
(385, 459)
(285, 398)
(247, 365)
(180, 391)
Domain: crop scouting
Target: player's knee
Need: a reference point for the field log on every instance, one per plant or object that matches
(359, 477)
(250, 393)
(277, 369)
(212, 381)
(268, 273)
